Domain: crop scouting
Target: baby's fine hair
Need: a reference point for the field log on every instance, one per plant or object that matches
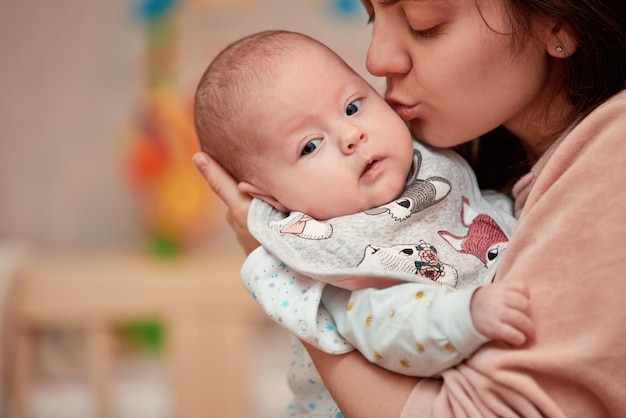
(231, 80)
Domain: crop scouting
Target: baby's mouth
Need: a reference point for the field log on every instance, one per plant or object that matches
(370, 167)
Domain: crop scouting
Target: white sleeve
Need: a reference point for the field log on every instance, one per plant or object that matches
(292, 300)
(411, 328)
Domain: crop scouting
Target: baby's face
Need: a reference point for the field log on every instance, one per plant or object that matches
(332, 144)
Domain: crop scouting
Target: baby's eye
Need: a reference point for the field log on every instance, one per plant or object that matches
(353, 107)
(311, 146)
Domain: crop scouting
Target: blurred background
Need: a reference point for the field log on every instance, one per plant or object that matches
(119, 289)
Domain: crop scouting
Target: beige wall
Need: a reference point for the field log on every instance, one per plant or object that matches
(71, 75)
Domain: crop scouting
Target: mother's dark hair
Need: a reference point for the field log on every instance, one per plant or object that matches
(597, 70)
(592, 74)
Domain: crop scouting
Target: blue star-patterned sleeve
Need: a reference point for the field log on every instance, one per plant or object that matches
(292, 300)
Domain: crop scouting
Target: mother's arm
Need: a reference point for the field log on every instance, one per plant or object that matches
(360, 388)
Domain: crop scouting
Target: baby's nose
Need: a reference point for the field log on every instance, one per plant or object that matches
(352, 140)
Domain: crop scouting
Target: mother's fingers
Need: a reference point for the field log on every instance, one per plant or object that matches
(220, 180)
(225, 186)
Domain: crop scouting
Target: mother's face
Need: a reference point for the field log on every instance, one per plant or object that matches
(451, 68)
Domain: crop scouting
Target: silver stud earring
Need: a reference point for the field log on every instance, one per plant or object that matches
(559, 49)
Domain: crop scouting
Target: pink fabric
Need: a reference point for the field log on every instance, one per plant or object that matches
(569, 247)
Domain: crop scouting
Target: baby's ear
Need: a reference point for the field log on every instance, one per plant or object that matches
(254, 191)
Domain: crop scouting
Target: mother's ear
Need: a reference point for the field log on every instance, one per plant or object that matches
(559, 43)
(255, 191)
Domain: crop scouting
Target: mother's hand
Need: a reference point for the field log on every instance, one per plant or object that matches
(237, 203)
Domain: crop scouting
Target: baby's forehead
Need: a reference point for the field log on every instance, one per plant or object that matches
(301, 82)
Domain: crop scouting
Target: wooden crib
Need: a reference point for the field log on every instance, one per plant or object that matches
(208, 317)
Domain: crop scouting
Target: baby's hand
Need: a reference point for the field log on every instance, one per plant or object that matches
(501, 311)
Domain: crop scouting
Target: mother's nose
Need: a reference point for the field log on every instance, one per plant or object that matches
(386, 54)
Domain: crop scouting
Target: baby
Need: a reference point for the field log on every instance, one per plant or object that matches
(348, 200)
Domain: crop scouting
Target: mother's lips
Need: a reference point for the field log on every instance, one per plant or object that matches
(405, 112)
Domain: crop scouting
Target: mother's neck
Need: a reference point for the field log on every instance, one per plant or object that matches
(538, 127)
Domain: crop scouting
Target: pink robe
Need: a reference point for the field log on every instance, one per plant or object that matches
(570, 248)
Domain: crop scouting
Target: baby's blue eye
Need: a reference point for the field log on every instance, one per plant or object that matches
(353, 107)
(311, 146)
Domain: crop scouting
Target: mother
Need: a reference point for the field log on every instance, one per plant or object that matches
(547, 75)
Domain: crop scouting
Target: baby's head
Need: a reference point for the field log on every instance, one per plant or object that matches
(232, 97)
(298, 128)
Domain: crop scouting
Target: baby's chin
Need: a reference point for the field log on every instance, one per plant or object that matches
(379, 201)
(355, 206)
(385, 198)
(337, 212)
